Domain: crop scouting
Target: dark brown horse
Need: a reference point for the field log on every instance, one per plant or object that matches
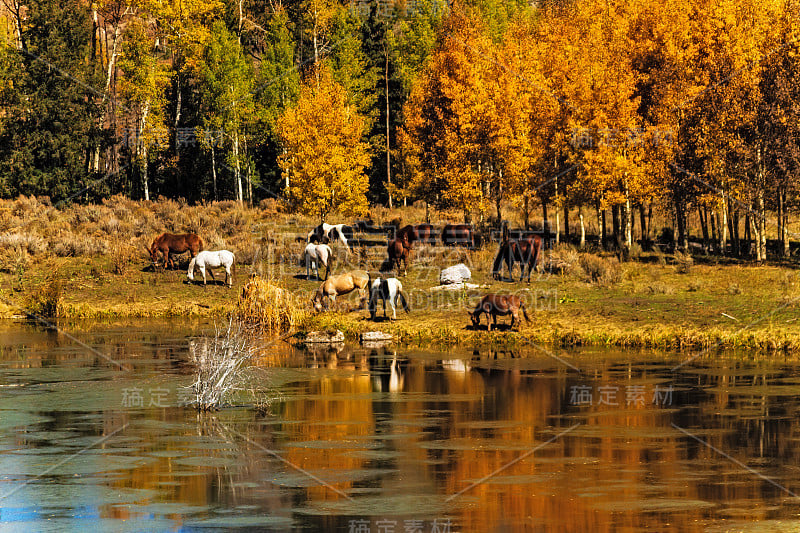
(524, 250)
(169, 244)
(398, 251)
(458, 235)
(420, 232)
(498, 304)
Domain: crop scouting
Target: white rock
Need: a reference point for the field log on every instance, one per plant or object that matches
(458, 287)
(326, 337)
(454, 274)
(376, 336)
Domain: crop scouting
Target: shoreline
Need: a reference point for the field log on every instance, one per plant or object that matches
(416, 331)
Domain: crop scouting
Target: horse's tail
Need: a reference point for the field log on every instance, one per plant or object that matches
(401, 296)
(537, 245)
(498, 260)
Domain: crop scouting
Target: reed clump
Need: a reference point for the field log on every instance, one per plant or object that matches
(266, 305)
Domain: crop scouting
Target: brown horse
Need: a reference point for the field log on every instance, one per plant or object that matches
(408, 235)
(169, 244)
(525, 250)
(458, 234)
(342, 284)
(398, 251)
(498, 304)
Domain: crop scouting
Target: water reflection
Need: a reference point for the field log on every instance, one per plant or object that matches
(483, 439)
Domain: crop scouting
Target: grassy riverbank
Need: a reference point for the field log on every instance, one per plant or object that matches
(90, 263)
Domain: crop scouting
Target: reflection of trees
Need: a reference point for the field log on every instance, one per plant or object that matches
(450, 421)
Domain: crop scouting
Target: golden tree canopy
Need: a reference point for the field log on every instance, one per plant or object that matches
(324, 155)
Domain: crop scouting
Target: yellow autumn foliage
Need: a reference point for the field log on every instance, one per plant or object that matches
(324, 153)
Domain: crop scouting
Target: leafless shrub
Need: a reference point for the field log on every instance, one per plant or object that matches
(219, 364)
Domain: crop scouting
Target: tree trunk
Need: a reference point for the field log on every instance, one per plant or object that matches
(388, 154)
(748, 247)
(702, 212)
(628, 222)
(545, 222)
(724, 227)
(141, 155)
(784, 223)
(733, 227)
(247, 174)
(143, 171)
(214, 170)
(601, 225)
(642, 226)
(527, 211)
(711, 215)
(583, 229)
(237, 169)
(682, 241)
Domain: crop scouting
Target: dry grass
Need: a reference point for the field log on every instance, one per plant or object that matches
(269, 307)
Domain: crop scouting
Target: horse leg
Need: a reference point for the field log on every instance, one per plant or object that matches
(228, 277)
(203, 270)
(211, 273)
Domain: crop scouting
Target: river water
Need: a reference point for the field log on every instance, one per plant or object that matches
(94, 436)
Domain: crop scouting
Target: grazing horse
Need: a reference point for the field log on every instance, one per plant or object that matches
(334, 232)
(524, 250)
(498, 304)
(389, 290)
(316, 254)
(342, 284)
(207, 260)
(398, 251)
(458, 234)
(168, 244)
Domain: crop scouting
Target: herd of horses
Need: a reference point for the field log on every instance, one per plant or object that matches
(526, 250)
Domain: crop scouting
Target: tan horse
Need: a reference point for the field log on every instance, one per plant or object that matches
(342, 284)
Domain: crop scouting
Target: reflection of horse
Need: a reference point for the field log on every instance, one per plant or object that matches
(333, 232)
(341, 284)
(389, 290)
(168, 244)
(208, 260)
(458, 234)
(494, 305)
(397, 252)
(524, 250)
(316, 254)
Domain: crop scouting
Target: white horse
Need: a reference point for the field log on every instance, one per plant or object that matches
(207, 260)
(332, 232)
(316, 254)
(389, 290)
